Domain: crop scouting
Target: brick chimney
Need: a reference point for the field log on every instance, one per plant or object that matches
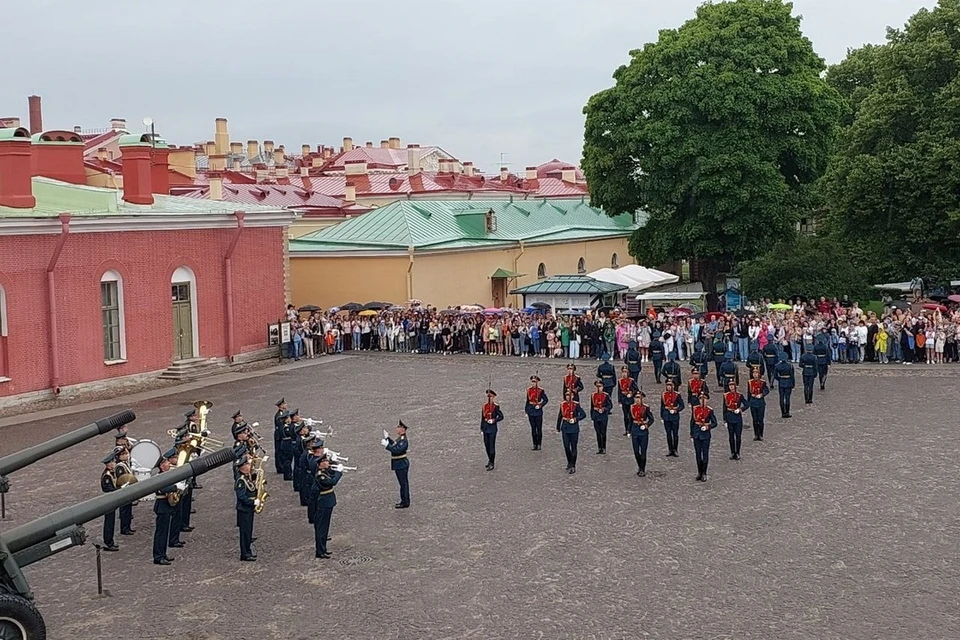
(304, 171)
(350, 193)
(267, 148)
(217, 162)
(568, 174)
(327, 153)
(236, 148)
(253, 149)
(348, 144)
(135, 153)
(118, 124)
(261, 173)
(221, 137)
(316, 162)
(16, 188)
(468, 169)
(59, 155)
(355, 167)
(216, 185)
(531, 173)
(369, 145)
(394, 143)
(102, 154)
(77, 128)
(305, 150)
(278, 159)
(504, 174)
(236, 164)
(36, 115)
(283, 172)
(443, 165)
(413, 159)
(384, 144)
(160, 170)
(210, 148)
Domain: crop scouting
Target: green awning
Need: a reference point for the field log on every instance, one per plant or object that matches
(503, 273)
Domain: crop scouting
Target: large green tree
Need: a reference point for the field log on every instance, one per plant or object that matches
(716, 131)
(807, 266)
(892, 190)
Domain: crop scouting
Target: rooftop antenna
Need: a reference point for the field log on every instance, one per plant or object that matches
(148, 122)
(503, 162)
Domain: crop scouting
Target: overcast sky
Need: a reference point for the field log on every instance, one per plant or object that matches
(477, 78)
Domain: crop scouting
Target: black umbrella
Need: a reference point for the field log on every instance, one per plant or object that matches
(741, 313)
(900, 304)
(309, 308)
(540, 305)
(351, 306)
(376, 306)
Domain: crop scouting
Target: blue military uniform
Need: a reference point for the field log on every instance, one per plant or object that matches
(326, 480)
(771, 356)
(287, 434)
(626, 390)
(755, 361)
(246, 492)
(822, 351)
(785, 383)
(163, 512)
(729, 372)
(278, 419)
(126, 511)
(568, 425)
(490, 418)
(671, 370)
(702, 423)
(719, 355)
(757, 390)
(317, 453)
(536, 400)
(108, 484)
(600, 407)
(303, 469)
(632, 360)
(808, 370)
(656, 357)
(699, 359)
(607, 374)
(733, 405)
(671, 404)
(298, 450)
(400, 465)
(641, 419)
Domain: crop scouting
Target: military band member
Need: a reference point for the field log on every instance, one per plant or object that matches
(641, 418)
(399, 463)
(631, 359)
(626, 390)
(733, 406)
(700, 361)
(808, 371)
(278, 420)
(785, 383)
(176, 515)
(307, 471)
(671, 404)
(729, 372)
(572, 382)
(771, 356)
(317, 453)
(246, 490)
(702, 423)
(568, 425)
(490, 418)
(536, 400)
(719, 353)
(755, 361)
(607, 374)
(287, 433)
(696, 387)
(326, 480)
(163, 512)
(656, 357)
(122, 469)
(120, 439)
(298, 450)
(758, 390)
(241, 434)
(671, 370)
(822, 351)
(108, 484)
(600, 407)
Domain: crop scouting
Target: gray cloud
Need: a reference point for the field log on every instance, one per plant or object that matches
(480, 79)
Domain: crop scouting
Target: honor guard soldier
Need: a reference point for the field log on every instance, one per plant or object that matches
(733, 405)
(572, 382)
(755, 361)
(771, 356)
(287, 433)
(490, 418)
(108, 484)
(808, 370)
(607, 374)
(120, 439)
(307, 471)
(696, 387)
(237, 420)
(317, 453)
(246, 490)
(399, 463)
(626, 390)
(729, 371)
(163, 511)
(758, 390)
(298, 449)
(600, 407)
(699, 359)
(671, 404)
(702, 423)
(641, 418)
(656, 357)
(241, 433)
(278, 419)
(671, 370)
(822, 351)
(568, 425)
(632, 360)
(785, 383)
(536, 400)
(719, 352)
(326, 480)
(176, 514)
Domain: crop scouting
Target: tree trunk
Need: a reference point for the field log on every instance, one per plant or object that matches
(709, 273)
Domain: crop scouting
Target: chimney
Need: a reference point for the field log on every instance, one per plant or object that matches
(320, 149)
(36, 115)
(261, 174)
(355, 167)
(283, 172)
(236, 164)
(384, 144)
(221, 137)
(413, 159)
(443, 165)
(136, 170)
(304, 172)
(59, 155)
(348, 144)
(568, 174)
(468, 169)
(394, 143)
(531, 173)
(316, 162)
(504, 174)
(327, 153)
(210, 148)
(216, 162)
(216, 185)
(278, 159)
(102, 154)
(236, 148)
(160, 169)
(118, 124)
(16, 188)
(10, 123)
(253, 149)
(454, 166)
(77, 128)
(369, 145)
(350, 194)
(267, 148)
(305, 150)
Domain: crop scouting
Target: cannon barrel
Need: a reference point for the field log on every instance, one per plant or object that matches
(19, 460)
(46, 527)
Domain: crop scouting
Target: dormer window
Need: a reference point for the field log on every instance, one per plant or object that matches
(491, 221)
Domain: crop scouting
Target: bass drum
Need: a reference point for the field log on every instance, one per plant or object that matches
(143, 458)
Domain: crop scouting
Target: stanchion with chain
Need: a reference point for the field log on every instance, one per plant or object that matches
(101, 592)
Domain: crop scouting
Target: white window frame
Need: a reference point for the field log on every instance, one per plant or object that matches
(3, 328)
(113, 276)
(184, 273)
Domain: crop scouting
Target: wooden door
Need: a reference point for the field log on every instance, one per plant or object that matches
(499, 292)
(182, 321)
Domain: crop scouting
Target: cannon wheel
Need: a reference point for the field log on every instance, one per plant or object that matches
(20, 620)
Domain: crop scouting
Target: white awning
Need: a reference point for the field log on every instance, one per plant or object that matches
(672, 295)
(613, 276)
(646, 278)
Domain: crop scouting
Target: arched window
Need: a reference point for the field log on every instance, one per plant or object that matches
(581, 266)
(542, 271)
(614, 262)
(3, 335)
(111, 316)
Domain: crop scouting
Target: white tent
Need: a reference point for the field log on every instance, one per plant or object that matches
(614, 276)
(646, 278)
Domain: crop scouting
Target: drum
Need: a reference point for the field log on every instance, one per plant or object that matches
(143, 458)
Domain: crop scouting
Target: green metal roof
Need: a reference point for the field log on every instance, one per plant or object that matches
(503, 273)
(461, 224)
(14, 133)
(55, 197)
(570, 285)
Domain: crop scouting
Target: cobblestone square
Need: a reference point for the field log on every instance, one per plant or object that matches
(841, 525)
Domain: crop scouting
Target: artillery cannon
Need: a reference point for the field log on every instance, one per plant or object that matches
(21, 459)
(42, 538)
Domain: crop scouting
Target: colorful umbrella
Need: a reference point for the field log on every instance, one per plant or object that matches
(492, 311)
(680, 311)
(954, 298)
(352, 306)
(471, 308)
(540, 305)
(934, 307)
(781, 307)
(368, 312)
(310, 308)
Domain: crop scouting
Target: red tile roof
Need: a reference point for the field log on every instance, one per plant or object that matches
(274, 195)
(554, 168)
(93, 142)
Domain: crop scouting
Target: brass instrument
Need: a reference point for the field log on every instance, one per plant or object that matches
(173, 498)
(123, 475)
(260, 482)
(341, 468)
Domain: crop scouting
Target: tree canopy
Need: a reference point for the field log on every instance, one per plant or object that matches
(892, 190)
(716, 130)
(807, 266)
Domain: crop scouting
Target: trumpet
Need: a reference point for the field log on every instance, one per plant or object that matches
(341, 468)
(310, 422)
(336, 457)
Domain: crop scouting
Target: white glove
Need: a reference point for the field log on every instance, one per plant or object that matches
(384, 442)
(256, 502)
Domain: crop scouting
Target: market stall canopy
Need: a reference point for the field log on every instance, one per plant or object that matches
(646, 277)
(614, 276)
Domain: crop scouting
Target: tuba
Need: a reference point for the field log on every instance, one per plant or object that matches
(124, 476)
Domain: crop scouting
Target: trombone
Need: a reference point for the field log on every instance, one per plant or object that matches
(342, 468)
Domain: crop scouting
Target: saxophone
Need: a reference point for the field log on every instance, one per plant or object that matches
(260, 484)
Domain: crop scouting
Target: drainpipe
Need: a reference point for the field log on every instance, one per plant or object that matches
(228, 289)
(516, 269)
(52, 305)
(410, 274)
